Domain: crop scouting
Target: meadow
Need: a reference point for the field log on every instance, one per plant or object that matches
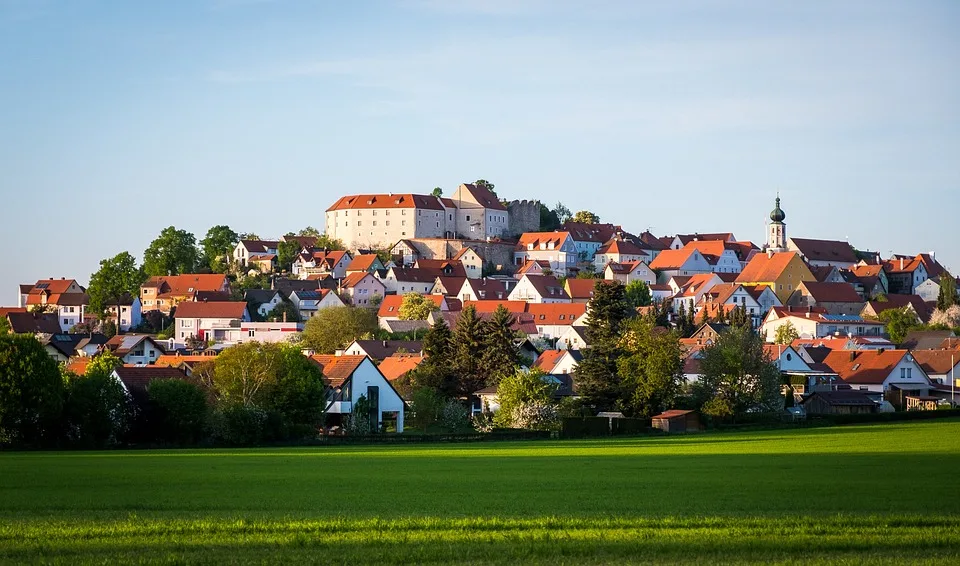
(858, 494)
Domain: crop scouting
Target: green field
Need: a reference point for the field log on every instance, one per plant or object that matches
(865, 494)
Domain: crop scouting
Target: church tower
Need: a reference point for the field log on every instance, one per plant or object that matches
(777, 230)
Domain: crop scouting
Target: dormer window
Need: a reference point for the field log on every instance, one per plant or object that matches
(529, 246)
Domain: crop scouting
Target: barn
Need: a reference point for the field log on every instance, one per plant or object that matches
(677, 420)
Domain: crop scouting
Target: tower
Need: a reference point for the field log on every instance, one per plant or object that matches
(777, 230)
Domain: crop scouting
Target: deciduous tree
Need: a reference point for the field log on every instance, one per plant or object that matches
(650, 369)
(586, 217)
(117, 276)
(31, 392)
(786, 333)
(415, 306)
(334, 328)
(638, 293)
(173, 252)
(899, 322)
(518, 389)
(217, 246)
(178, 411)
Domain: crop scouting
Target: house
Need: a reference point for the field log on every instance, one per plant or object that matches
(389, 308)
(941, 366)
(414, 327)
(256, 253)
(362, 289)
(309, 303)
(557, 249)
(815, 322)
(163, 293)
(689, 290)
(724, 297)
(930, 340)
(590, 238)
(911, 303)
(781, 271)
(765, 297)
(683, 262)
(372, 221)
(522, 322)
(350, 377)
(410, 280)
(620, 251)
(398, 365)
(677, 421)
(870, 281)
(364, 262)
(134, 349)
(379, 350)
(442, 267)
(533, 267)
(65, 347)
(217, 321)
(723, 257)
(64, 296)
(835, 298)
(581, 290)
(479, 214)
(929, 290)
(539, 289)
(827, 274)
(483, 289)
(905, 274)
(629, 272)
(558, 362)
(553, 320)
(131, 315)
(472, 262)
(824, 252)
(136, 380)
(33, 323)
(263, 301)
(321, 262)
(840, 402)
(661, 293)
(573, 338)
(448, 286)
(877, 371)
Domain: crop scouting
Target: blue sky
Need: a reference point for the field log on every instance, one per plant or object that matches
(120, 118)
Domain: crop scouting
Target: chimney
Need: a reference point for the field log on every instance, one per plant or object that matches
(853, 355)
(769, 253)
(901, 264)
(284, 316)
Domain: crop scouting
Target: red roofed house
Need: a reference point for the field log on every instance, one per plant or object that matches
(402, 280)
(911, 303)
(677, 421)
(219, 321)
(309, 302)
(364, 262)
(723, 257)
(479, 213)
(941, 366)
(782, 271)
(905, 274)
(347, 379)
(390, 306)
(472, 262)
(824, 252)
(879, 371)
(619, 251)
(539, 289)
(815, 322)
(581, 290)
(690, 290)
(728, 296)
(375, 220)
(134, 349)
(399, 364)
(362, 289)
(554, 320)
(683, 262)
(835, 298)
(442, 267)
(629, 272)
(165, 292)
(66, 296)
(557, 249)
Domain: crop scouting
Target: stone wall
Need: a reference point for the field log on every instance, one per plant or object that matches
(494, 253)
(524, 217)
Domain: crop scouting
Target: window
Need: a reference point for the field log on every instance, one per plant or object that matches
(374, 222)
(468, 218)
(909, 373)
(903, 373)
(388, 222)
(403, 223)
(403, 212)
(374, 212)
(359, 223)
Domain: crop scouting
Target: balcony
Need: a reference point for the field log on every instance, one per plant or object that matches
(341, 407)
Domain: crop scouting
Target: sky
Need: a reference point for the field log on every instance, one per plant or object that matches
(118, 119)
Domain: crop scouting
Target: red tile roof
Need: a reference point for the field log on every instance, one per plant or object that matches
(363, 262)
(396, 200)
(548, 360)
(864, 366)
(556, 313)
(622, 248)
(484, 196)
(337, 369)
(825, 250)
(399, 365)
(673, 259)
(937, 361)
(187, 284)
(583, 288)
(441, 267)
(216, 309)
(766, 268)
(831, 292)
(537, 238)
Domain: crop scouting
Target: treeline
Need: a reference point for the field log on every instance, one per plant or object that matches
(251, 394)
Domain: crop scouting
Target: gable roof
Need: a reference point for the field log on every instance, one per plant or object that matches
(122, 344)
(260, 296)
(417, 275)
(439, 266)
(841, 398)
(599, 233)
(937, 361)
(31, 323)
(186, 284)
(382, 349)
(897, 301)
(487, 288)
(484, 196)
(529, 264)
(259, 246)
(825, 250)
(547, 286)
(831, 292)
(464, 251)
(398, 365)
(337, 369)
(696, 283)
(363, 262)
(673, 259)
(544, 314)
(930, 340)
(622, 247)
(136, 380)
(864, 366)
(536, 238)
(583, 288)
(388, 200)
(718, 236)
(213, 309)
(766, 267)
(450, 284)
(549, 359)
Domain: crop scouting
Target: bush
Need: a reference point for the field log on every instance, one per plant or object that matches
(238, 425)
(631, 426)
(581, 427)
(454, 416)
(536, 416)
(31, 392)
(97, 411)
(178, 411)
(427, 405)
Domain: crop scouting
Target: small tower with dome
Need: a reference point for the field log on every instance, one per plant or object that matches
(777, 229)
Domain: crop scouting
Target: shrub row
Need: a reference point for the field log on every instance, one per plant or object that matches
(585, 427)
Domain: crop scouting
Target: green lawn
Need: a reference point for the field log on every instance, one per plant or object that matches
(866, 494)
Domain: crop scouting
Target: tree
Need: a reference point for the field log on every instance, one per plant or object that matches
(785, 334)
(548, 219)
(437, 192)
(948, 318)
(117, 276)
(109, 328)
(518, 389)
(217, 247)
(309, 231)
(466, 345)
(899, 322)
(737, 376)
(31, 392)
(287, 252)
(284, 311)
(562, 213)
(588, 271)
(739, 317)
(335, 328)
(178, 411)
(483, 183)
(327, 243)
(948, 292)
(5, 326)
(97, 410)
(172, 253)
(638, 293)
(586, 217)
(597, 378)
(298, 394)
(500, 356)
(436, 371)
(243, 374)
(650, 370)
(415, 306)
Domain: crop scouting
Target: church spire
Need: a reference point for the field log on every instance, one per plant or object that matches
(777, 230)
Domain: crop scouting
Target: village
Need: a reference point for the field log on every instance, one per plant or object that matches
(848, 331)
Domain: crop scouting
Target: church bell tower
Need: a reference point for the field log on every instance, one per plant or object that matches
(777, 229)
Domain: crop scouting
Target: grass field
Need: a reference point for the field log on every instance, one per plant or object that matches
(865, 494)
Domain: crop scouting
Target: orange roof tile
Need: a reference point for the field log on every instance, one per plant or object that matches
(672, 259)
(399, 365)
(766, 268)
(390, 200)
(536, 238)
(864, 366)
(337, 369)
(213, 309)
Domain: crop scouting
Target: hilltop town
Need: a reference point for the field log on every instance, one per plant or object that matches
(847, 330)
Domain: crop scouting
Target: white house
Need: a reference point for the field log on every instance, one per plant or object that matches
(268, 331)
(629, 272)
(347, 379)
(814, 322)
(254, 249)
(618, 251)
(554, 320)
(573, 338)
(134, 349)
(877, 371)
(557, 249)
(689, 290)
(402, 280)
(471, 261)
(214, 320)
(265, 300)
(539, 289)
(683, 262)
(309, 303)
(131, 314)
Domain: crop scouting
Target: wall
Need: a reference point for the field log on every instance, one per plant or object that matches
(495, 253)
(524, 217)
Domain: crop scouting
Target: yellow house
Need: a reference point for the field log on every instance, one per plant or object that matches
(782, 271)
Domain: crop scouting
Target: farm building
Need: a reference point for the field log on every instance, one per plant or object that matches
(838, 403)
(677, 421)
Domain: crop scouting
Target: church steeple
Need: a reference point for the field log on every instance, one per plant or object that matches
(777, 229)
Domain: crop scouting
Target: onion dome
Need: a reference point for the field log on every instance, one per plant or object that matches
(777, 215)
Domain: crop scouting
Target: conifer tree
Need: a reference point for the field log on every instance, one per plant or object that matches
(467, 348)
(500, 354)
(436, 370)
(597, 378)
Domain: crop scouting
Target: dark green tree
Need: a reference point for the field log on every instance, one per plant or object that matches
(562, 213)
(117, 276)
(178, 411)
(173, 252)
(218, 246)
(31, 392)
(327, 243)
(97, 410)
(287, 251)
(298, 394)
(739, 317)
(468, 340)
(437, 192)
(548, 219)
(485, 184)
(737, 376)
(309, 231)
(650, 369)
(597, 378)
(948, 291)
(500, 356)
(899, 322)
(436, 372)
